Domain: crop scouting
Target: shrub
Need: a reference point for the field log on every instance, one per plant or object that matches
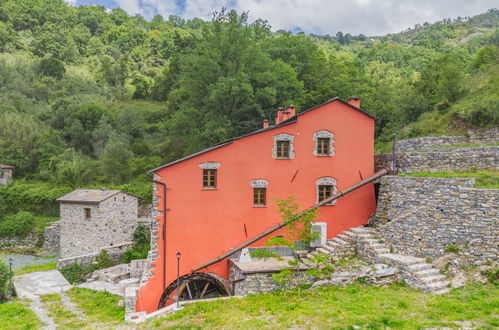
(492, 275)
(74, 273)
(5, 289)
(451, 248)
(17, 225)
(140, 248)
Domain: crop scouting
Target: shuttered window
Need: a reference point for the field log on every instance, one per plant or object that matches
(259, 196)
(209, 178)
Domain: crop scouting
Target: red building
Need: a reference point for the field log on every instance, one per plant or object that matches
(222, 196)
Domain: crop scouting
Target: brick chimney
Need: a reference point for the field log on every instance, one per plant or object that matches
(284, 114)
(265, 123)
(355, 101)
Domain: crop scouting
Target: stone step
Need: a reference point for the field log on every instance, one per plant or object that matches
(339, 241)
(432, 279)
(322, 250)
(361, 230)
(381, 251)
(401, 259)
(432, 287)
(333, 244)
(350, 234)
(419, 267)
(426, 272)
(328, 248)
(371, 240)
(379, 246)
(346, 238)
(441, 291)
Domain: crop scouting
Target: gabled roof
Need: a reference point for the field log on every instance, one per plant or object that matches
(283, 123)
(6, 166)
(89, 196)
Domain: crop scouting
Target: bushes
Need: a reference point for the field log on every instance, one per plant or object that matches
(76, 272)
(17, 225)
(141, 240)
(5, 289)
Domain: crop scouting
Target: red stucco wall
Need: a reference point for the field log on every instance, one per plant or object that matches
(203, 224)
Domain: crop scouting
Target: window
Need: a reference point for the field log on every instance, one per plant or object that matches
(326, 187)
(323, 146)
(209, 178)
(259, 196)
(323, 143)
(283, 146)
(88, 213)
(123, 198)
(282, 149)
(325, 191)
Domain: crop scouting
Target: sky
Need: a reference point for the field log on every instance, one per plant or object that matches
(369, 17)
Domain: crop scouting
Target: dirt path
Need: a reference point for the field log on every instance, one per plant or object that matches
(36, 306)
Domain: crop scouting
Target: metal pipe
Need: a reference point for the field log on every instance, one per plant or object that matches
(164, 230)
(241, 246)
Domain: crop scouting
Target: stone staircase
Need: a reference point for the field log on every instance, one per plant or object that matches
(367, 245)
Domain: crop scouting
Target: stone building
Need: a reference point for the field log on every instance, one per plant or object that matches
(91, 219)
(5, 174)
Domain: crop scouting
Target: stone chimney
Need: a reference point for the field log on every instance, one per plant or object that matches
(355, 101)
(284, 114)
(265, 123)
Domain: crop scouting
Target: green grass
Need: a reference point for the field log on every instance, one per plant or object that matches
(42, 222)
(483, 179)
(366, 307)
(97, 306)
(36, 268)
(15, 315)
(64, 318)
(472, 145)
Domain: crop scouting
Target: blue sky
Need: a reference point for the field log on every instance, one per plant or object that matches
(370, 17)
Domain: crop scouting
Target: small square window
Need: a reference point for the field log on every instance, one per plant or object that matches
(325, 191)
(209, 178)
(323, 146)
(282, 149)
(259, 196)
(88, 213)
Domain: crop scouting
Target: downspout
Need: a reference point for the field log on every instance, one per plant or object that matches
(164, 229)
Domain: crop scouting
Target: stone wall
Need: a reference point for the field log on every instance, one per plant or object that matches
(115, 252)
(422, 216)
(52, 238)
(30, 241)
(490, 135)
(112, 221)
(437, 160)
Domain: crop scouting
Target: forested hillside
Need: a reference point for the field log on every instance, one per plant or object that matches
(95, 98)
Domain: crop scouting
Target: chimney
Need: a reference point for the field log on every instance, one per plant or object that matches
(280, 116)
(265, 123)
(355, 101)
(291, 110)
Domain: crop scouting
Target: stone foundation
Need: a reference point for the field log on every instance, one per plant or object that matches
(423, 216)
(30, 241)
(52, 238)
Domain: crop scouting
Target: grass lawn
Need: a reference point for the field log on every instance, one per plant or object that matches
(483, 179)
(471, 145)
(362, 306)
(42, 222)
(100, 307)
(15, 315)
(36, 268)
(59, 313)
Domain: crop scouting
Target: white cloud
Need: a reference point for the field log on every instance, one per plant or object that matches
(71, 2)
(370, 17)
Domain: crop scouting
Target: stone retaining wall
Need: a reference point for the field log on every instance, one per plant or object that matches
(116, 252)
(422, 216)
(52, 238)
(490, 135)
(30, 241)
(438, 160)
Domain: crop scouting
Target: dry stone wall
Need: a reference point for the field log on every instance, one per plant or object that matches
(437, 160)
(423, 216)
(52, 238)
(112, 222)
(490, 135)
(30, 241)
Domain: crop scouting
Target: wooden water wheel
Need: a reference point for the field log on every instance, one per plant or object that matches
(194, 287)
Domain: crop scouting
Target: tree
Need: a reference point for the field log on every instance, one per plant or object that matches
(115, 161)
(52, 67)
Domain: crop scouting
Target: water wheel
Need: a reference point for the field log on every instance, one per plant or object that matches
(194, 287)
